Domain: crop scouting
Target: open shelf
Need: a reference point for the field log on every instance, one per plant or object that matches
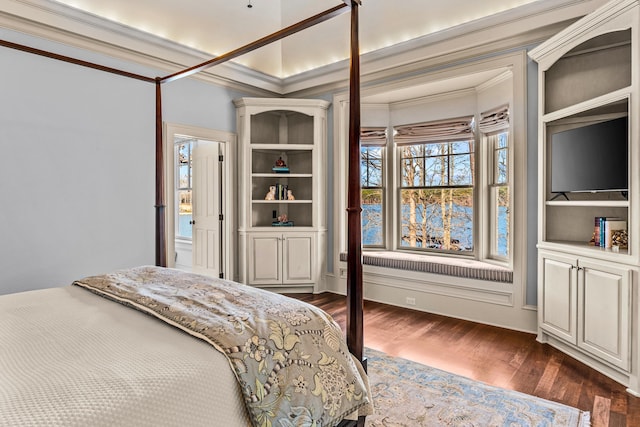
(589, 203)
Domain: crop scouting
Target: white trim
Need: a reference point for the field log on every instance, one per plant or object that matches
(519, 314)
(228, 148)
(523, 25)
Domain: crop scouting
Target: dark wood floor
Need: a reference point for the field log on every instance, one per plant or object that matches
(501, 357)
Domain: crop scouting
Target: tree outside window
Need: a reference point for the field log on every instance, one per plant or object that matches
(373, 142)
(437, 196)
(437, 202)
(372, 188)
(494, 129)
(500, 196)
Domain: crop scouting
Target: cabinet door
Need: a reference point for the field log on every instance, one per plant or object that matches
(603, 301)
(298, 265)
(265, 259)
(558, 296)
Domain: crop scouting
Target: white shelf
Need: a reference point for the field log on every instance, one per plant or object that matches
(291, 202)
(590, 203)
(589, 104)
(282, 175)
(281, 147)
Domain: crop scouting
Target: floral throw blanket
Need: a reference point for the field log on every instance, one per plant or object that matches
(289, 357)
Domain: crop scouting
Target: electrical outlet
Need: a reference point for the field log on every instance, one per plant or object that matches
(411, 301)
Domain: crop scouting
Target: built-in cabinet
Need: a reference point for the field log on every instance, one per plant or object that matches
(587, 303)
(588, 295)
(281, 258)
(282, 200)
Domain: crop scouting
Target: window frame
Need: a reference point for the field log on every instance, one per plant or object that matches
(383, 187)
(397, 220)
(178, 141)
(491, 139)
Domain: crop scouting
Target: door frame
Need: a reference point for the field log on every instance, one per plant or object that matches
(228, 149)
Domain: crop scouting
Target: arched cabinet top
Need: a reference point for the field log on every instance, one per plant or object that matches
(615, 16)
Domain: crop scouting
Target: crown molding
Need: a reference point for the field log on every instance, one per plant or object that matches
(532, 23)
(56, 22)
(527, 25)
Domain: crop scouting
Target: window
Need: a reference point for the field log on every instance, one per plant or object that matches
(441, 187)
(494, 127)
(184, 186)
(372, 175)
(436, 197)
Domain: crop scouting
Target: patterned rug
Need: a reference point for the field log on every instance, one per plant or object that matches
(408, 394)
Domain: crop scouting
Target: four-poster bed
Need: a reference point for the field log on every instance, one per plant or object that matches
(58, 297)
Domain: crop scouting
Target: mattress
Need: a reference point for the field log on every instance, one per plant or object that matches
(91, 362)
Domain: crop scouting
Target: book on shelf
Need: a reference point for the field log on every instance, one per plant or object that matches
(604, 228)
(281, 191)
(596, 230)
(280, 169)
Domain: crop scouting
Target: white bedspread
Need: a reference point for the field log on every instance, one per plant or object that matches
(71, 358)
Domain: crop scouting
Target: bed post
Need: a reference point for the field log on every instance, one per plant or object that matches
(355, 337)
(161, 236)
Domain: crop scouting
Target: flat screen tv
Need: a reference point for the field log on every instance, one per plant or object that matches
(591, 158)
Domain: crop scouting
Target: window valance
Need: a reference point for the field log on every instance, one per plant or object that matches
(436, 131)
(373, 135)
(494, 120)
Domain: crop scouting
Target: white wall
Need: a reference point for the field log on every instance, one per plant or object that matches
(77, 182)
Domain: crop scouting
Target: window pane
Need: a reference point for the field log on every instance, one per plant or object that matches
(372, 218)
(184, 176)
(501, 163)
(184, 213)
(183, 153)
(503, 141)
(438, 220)
(371, 166)
(412, 175)
(462, 147)
(503, 219)
(461, 170)
(436, 171)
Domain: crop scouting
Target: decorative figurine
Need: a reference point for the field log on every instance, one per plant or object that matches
(290, 195)
(271, 195)
(283, 218)
(280, 166)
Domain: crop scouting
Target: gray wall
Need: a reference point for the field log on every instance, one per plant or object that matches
(77, 181)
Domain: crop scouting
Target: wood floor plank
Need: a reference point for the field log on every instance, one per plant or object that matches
(549, 376)
(600, 412)
(501, 357)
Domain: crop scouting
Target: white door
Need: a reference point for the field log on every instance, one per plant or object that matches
(266, 252)
(558, 296)
(604, 301)
(206, 209)
(297, 258)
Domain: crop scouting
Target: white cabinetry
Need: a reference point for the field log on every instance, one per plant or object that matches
(282, 255)
(281, 258)
(587, 295)
(587, 303)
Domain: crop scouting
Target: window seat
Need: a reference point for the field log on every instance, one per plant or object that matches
(458, 267)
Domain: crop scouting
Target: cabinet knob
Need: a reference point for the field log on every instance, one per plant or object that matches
(192, 222)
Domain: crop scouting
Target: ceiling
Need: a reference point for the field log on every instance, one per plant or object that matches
(216, 27)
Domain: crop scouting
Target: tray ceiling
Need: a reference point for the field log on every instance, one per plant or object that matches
(219, 26)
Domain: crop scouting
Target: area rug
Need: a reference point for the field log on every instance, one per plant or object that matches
(409, 394)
